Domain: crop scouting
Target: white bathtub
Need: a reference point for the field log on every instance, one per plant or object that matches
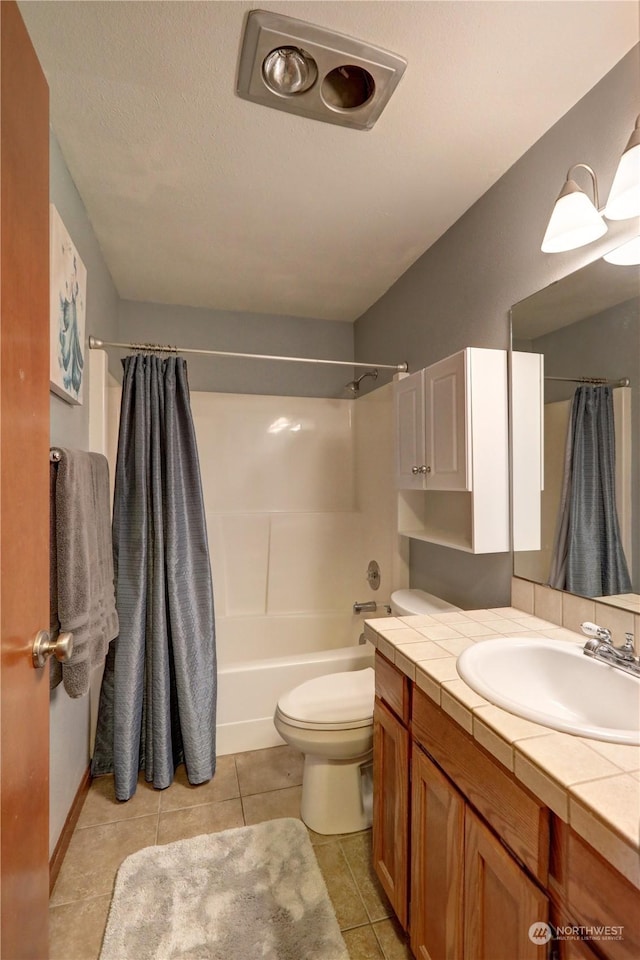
(248, 692)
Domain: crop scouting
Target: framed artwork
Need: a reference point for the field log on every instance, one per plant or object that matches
(68, 293)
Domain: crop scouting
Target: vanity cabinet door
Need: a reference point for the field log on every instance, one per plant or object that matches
(500, 902)
(437, 859)
(391, 807)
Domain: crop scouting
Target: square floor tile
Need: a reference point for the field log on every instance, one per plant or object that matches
(392, 939)
(101, 806)
(76, 929)
(94, 855)
(222, 786)
(271, 805)
(272, 769)
(358, 852)
(342, 888)
(362, 943)
(203, 818)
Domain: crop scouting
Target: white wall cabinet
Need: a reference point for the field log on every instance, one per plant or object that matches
(431, 419)
(452, 453)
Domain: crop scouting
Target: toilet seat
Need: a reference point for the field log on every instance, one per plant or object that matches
(336, 701)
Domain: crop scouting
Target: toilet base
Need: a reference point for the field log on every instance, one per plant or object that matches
(333, 799)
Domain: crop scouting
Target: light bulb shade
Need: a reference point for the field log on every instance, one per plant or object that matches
(627, 255)
(574, 221)
(624, 198)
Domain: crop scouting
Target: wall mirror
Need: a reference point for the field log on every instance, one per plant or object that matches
(586, 325)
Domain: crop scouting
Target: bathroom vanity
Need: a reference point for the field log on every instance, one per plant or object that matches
(475, 841)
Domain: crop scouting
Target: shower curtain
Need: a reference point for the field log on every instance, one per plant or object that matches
(588, 558)
(158, 697)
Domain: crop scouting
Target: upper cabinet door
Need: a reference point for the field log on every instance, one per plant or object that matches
(447, 436)
(410, 424)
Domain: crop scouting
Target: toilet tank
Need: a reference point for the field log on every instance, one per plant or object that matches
(405, 603)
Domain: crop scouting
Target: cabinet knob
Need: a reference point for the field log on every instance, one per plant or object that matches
(415, 470)
(424, 469)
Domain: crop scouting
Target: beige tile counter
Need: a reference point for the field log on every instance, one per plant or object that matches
(592, 785)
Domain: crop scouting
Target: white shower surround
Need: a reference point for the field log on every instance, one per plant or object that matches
(299, 497)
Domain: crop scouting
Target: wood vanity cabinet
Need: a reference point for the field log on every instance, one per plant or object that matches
(437, 862)
(468, 857)
(467, 897)
(391, 777)
(588, 892)
(501, 903)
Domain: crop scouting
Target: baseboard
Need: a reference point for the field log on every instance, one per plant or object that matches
(67, 831)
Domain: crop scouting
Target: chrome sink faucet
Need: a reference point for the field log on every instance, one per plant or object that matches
(600, 646)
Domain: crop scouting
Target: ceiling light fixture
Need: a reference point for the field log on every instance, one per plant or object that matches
(576, 220)
(314, 72)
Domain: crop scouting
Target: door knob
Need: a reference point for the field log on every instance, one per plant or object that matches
(43, 647)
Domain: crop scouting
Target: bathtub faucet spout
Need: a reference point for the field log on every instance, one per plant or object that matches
(370, 606)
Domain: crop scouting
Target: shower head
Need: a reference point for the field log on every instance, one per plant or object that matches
(354, 385)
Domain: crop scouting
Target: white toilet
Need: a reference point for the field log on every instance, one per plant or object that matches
(407, 603)
(330, 720)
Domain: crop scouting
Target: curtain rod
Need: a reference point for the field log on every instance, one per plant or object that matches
(96, 344)
(595, 381)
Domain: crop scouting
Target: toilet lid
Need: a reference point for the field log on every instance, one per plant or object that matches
(334, 698)
(409, 602)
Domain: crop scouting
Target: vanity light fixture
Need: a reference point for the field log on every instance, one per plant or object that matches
(627, 255)
(576, 220)
(624, 197)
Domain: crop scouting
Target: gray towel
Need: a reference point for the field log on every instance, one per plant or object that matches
(84, 564)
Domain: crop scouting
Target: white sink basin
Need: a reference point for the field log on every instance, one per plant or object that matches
(553, 683)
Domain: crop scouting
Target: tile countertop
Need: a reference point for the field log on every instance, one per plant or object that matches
(592, 785)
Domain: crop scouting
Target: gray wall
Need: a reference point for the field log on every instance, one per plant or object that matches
(459, 292)
(604, 345)
(246, 333)
(69, 719)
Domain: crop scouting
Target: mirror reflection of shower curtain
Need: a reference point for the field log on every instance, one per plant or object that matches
(588, 558)
(158, 697)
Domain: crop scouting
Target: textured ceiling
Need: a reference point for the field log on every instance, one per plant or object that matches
(198, 197)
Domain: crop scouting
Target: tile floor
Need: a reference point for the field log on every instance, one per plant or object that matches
(247, 788)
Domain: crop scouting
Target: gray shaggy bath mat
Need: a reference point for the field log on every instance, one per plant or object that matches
(253, 893)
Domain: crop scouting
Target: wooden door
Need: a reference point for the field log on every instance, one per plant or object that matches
(500, 902)
(437, 862)
(409, 432)
(446, 399)
(24, 492)
(391, 807)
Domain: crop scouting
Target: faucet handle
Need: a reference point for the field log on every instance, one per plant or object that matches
(597, 633)
(628, 643)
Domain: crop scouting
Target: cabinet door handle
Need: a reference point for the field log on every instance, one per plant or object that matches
(415, 470)
(424, 469)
